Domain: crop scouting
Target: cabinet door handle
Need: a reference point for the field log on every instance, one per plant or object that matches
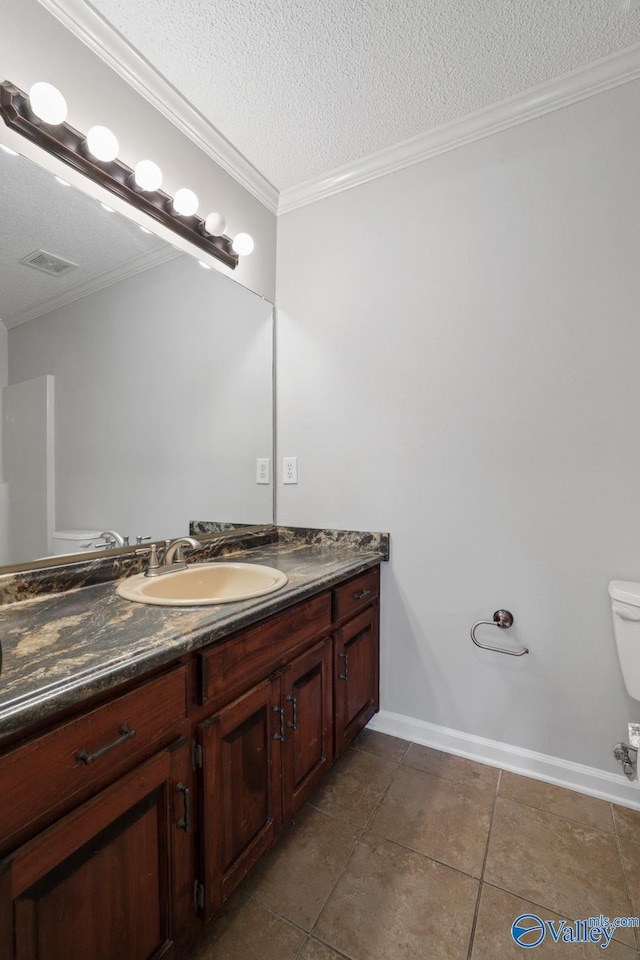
(126, 733)
(345, 675)
(293, 723)
(184, 823)
(279, 736)
(361, 595)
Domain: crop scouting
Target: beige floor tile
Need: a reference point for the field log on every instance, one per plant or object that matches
(493, 941)
(564, 866)
(354, 787)
(443, 819)
(564, 803)
(453, 768)
(393, 904)
(381, 745)
(317, 951)
(631, 861)
(245, 930)
(299, 873)
(627, 823)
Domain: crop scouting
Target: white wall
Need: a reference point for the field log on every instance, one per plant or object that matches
(459, 364)
(163, 401)
(35, 46)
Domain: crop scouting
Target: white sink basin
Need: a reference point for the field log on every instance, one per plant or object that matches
(204, 583)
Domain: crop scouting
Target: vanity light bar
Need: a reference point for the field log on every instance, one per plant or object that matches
(69, 145)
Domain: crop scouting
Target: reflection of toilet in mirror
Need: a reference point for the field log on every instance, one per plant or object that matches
(625, 610)
(74, 541)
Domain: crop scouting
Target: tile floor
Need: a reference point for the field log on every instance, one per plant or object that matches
(406, 853)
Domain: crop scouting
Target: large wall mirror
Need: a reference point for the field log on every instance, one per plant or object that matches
(137, 388)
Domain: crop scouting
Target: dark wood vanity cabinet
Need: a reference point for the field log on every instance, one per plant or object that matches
(357, 656)
(108, 880)
(241, 811)
(127, 825)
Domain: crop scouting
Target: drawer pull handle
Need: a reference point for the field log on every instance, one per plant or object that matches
(293, 723)
(345, 675)
(361, 595)
(279, 736)
(184, 823)
(126, 733)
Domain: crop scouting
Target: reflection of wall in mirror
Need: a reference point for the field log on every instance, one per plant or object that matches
(3, 486)
(163, 401)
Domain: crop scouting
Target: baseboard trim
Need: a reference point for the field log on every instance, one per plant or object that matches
(562, 773)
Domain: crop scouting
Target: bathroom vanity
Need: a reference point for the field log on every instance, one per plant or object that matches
(131, 814)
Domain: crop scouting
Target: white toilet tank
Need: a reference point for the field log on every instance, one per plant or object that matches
(625, 610)
(74, 541)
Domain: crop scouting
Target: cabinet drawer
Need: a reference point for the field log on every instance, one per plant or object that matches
(233, 666)
(356, 594)
(38, 778)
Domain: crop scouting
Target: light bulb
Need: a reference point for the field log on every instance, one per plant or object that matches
(215, 224)
(185, 202)
(148, 175)
(102, 144)
(47, 103)
(242, 244)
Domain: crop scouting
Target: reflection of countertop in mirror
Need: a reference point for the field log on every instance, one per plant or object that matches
(63, 648)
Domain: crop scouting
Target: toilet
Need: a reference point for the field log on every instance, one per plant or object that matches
(625, 610)
(74, 541)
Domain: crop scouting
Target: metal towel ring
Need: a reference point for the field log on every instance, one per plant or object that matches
(502, 619)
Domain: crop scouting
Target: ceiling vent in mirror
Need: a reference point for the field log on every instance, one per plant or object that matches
(48, 263)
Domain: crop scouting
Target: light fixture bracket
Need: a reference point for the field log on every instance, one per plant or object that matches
(68, 144)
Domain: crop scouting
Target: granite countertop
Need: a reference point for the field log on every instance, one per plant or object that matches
(62, 648)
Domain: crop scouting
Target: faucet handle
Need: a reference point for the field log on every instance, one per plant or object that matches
(153, 565)
(142, 539)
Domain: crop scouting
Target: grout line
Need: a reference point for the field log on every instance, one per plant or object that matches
(626, 882)
(301, 950)
(353, 852)
(561, 816)
(474, 923)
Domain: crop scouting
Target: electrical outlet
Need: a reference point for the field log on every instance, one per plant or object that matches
(263, 470)
(289, 469)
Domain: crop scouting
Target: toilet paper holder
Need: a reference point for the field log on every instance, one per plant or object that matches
(502, 619)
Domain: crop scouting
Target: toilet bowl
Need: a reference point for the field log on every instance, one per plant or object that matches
(625, 610)
(74, 541)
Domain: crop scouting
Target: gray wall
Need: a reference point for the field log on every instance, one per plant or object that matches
(458, 364)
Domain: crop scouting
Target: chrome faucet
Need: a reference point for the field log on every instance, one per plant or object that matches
(174, 558)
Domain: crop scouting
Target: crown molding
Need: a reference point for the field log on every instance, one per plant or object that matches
(580, 84)
(84, 22)
(144, 262)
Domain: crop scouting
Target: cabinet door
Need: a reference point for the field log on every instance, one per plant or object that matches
(241, 803)
(98, 884)
(307, 699)
(356, 676)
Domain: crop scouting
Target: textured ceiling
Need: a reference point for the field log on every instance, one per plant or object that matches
(37, 212)
(302, 87)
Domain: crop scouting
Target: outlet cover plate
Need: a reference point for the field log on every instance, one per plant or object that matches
(289, 469)
(263, 470)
